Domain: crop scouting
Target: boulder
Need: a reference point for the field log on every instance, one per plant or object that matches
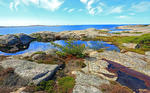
(14, 43)
(25, 39)
(31, 71)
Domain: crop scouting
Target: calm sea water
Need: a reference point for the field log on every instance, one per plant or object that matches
(33, 29)
(42, 46)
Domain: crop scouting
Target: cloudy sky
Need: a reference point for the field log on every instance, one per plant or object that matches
(72, 12)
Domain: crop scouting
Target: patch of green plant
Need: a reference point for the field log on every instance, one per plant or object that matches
(70, 49)
(39, 52)
(137, 32)
(117, 33)
(66, 83)
(37, 36)
(47, 86)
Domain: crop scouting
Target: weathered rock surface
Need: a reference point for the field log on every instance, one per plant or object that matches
(44, 36)
(31, 71)
(131, 45)
(131, 60)
(147, 53)
(88, 83)
(14, 43)
(90, 78)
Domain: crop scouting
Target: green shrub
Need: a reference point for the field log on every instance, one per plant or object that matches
(46, 86)
(66, 83)
(70, 49)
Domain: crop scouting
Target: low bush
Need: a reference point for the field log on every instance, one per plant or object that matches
(70, 49)
(66, 84)
(46, 86)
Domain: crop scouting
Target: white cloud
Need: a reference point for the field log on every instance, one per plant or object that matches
(132, 14)
(51, 5)
(80, 10)
(142, 6)
(93, 6)
(117, 9)
(11, 6)
(122, 17)
(71, 10)
(84, 1)
(65, 9)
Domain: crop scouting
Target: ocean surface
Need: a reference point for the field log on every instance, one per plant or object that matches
(33, 29)
(43, 46)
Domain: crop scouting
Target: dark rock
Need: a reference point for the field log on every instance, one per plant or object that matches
(14, 43)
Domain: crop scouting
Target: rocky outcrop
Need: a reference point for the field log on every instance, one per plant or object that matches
(136, 62)
(44, 36)
(101, 68)
(131, 45)
(14, 43)
(31, 71)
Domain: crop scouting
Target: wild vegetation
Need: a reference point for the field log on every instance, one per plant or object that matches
(143, 41)
(70, 49)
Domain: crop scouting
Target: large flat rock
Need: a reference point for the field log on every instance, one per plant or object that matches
(31, 71)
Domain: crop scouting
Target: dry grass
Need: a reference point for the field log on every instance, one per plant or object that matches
(115, 87)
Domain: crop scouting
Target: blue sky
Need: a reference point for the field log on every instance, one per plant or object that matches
(73, 12)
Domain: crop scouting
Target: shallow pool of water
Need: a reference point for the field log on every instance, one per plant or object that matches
(43, 46)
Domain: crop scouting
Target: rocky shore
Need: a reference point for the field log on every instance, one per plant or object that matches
(80, 71)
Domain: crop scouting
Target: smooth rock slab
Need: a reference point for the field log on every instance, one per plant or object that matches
(88, 83)
(31, 71)
(85, 89)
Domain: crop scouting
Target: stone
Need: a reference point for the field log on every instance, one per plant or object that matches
(90, 29)
(14, 43)
(88, 83)
(38, 56)
(135, 63)
(31, 71)
(131, 45)
(147, 53)
(25, 39)
(44, 36)
(86, 89)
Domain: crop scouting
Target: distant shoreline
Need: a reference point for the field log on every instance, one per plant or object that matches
(68, 25)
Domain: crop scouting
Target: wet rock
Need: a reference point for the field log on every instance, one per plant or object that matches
(135, 63)
(14, 43)
(31, 71)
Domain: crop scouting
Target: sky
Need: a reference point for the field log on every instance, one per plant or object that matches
(73, 12)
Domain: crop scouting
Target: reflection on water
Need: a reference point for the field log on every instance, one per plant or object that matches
(43, 46)
(128, 77)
